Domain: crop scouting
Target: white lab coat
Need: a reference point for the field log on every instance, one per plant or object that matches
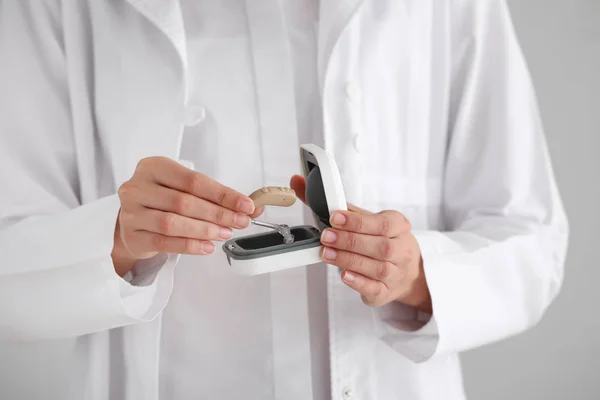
(428, 109)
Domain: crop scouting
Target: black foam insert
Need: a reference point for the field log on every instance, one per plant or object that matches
(315, 195)
(272, 239)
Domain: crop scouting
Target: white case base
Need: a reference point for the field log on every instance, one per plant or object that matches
(278, 262)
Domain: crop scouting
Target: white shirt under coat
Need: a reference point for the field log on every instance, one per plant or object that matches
(253, 99)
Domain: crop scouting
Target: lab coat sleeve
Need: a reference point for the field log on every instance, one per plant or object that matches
(57, 278)
(499, 264)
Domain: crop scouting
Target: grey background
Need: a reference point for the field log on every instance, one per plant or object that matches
(560, 358)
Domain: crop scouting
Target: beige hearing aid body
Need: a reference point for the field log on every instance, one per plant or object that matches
(273, 196)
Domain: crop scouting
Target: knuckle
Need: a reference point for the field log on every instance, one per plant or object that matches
(383, 270)
(167, 224)
(214, 232)
(385, 226)
(358, 222)
(354, 261)
(396, 215)
(386, 249)
(123, 190)
(192, 182)
(352, 242)
(220, 216)
(159, 242)
(181, 204)
(406, 222)
(141, 165)
(145, 165)
(376, 291)
(209, 231)
(222, 197)
(407, 257)
(402, 221)
(127, 192)
(190, 246)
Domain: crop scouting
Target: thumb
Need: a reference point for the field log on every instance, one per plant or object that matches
(298, 184)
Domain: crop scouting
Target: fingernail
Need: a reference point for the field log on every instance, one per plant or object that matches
(245, 206)
(241, 220)
(338, 219)
(349, 277)
(329, 254)
(328, 236)
(208, 247)
(226, 233)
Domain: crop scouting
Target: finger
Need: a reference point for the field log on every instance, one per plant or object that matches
(144, 241)
(377, 270)
(171, 174)
(171, 224)
(377, 247)
(387, 223)
(166, 199)
(372, 292)
(298, 183)
(257, 212)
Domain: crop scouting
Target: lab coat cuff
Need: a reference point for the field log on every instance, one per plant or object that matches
(145, 291)
(408, 331)
(412, 332)
(445, 287)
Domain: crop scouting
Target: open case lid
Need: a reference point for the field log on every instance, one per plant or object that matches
(324, 189)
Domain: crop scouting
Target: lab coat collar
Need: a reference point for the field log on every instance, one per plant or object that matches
(334, 15)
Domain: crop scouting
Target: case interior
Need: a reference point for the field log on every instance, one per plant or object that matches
(306, 236)
(271, 243)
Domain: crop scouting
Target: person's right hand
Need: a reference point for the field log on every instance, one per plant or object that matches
(166, 207)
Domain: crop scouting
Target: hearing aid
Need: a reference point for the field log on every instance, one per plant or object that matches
(274, 196)
(288, 247)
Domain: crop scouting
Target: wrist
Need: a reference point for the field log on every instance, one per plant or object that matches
(123, 261)
(419, 296)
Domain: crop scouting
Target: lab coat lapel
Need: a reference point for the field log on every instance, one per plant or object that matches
(334, 15)
(166, 15)
(151, 115)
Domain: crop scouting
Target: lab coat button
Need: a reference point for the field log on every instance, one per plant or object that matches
(359, 144)
(352, 91)
(194, 115)
(347, 393)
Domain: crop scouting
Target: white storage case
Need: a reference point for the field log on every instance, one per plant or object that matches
(266, 252)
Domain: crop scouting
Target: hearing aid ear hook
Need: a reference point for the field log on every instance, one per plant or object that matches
(279, 197)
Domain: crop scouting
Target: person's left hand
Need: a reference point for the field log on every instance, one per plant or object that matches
(380, 257)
